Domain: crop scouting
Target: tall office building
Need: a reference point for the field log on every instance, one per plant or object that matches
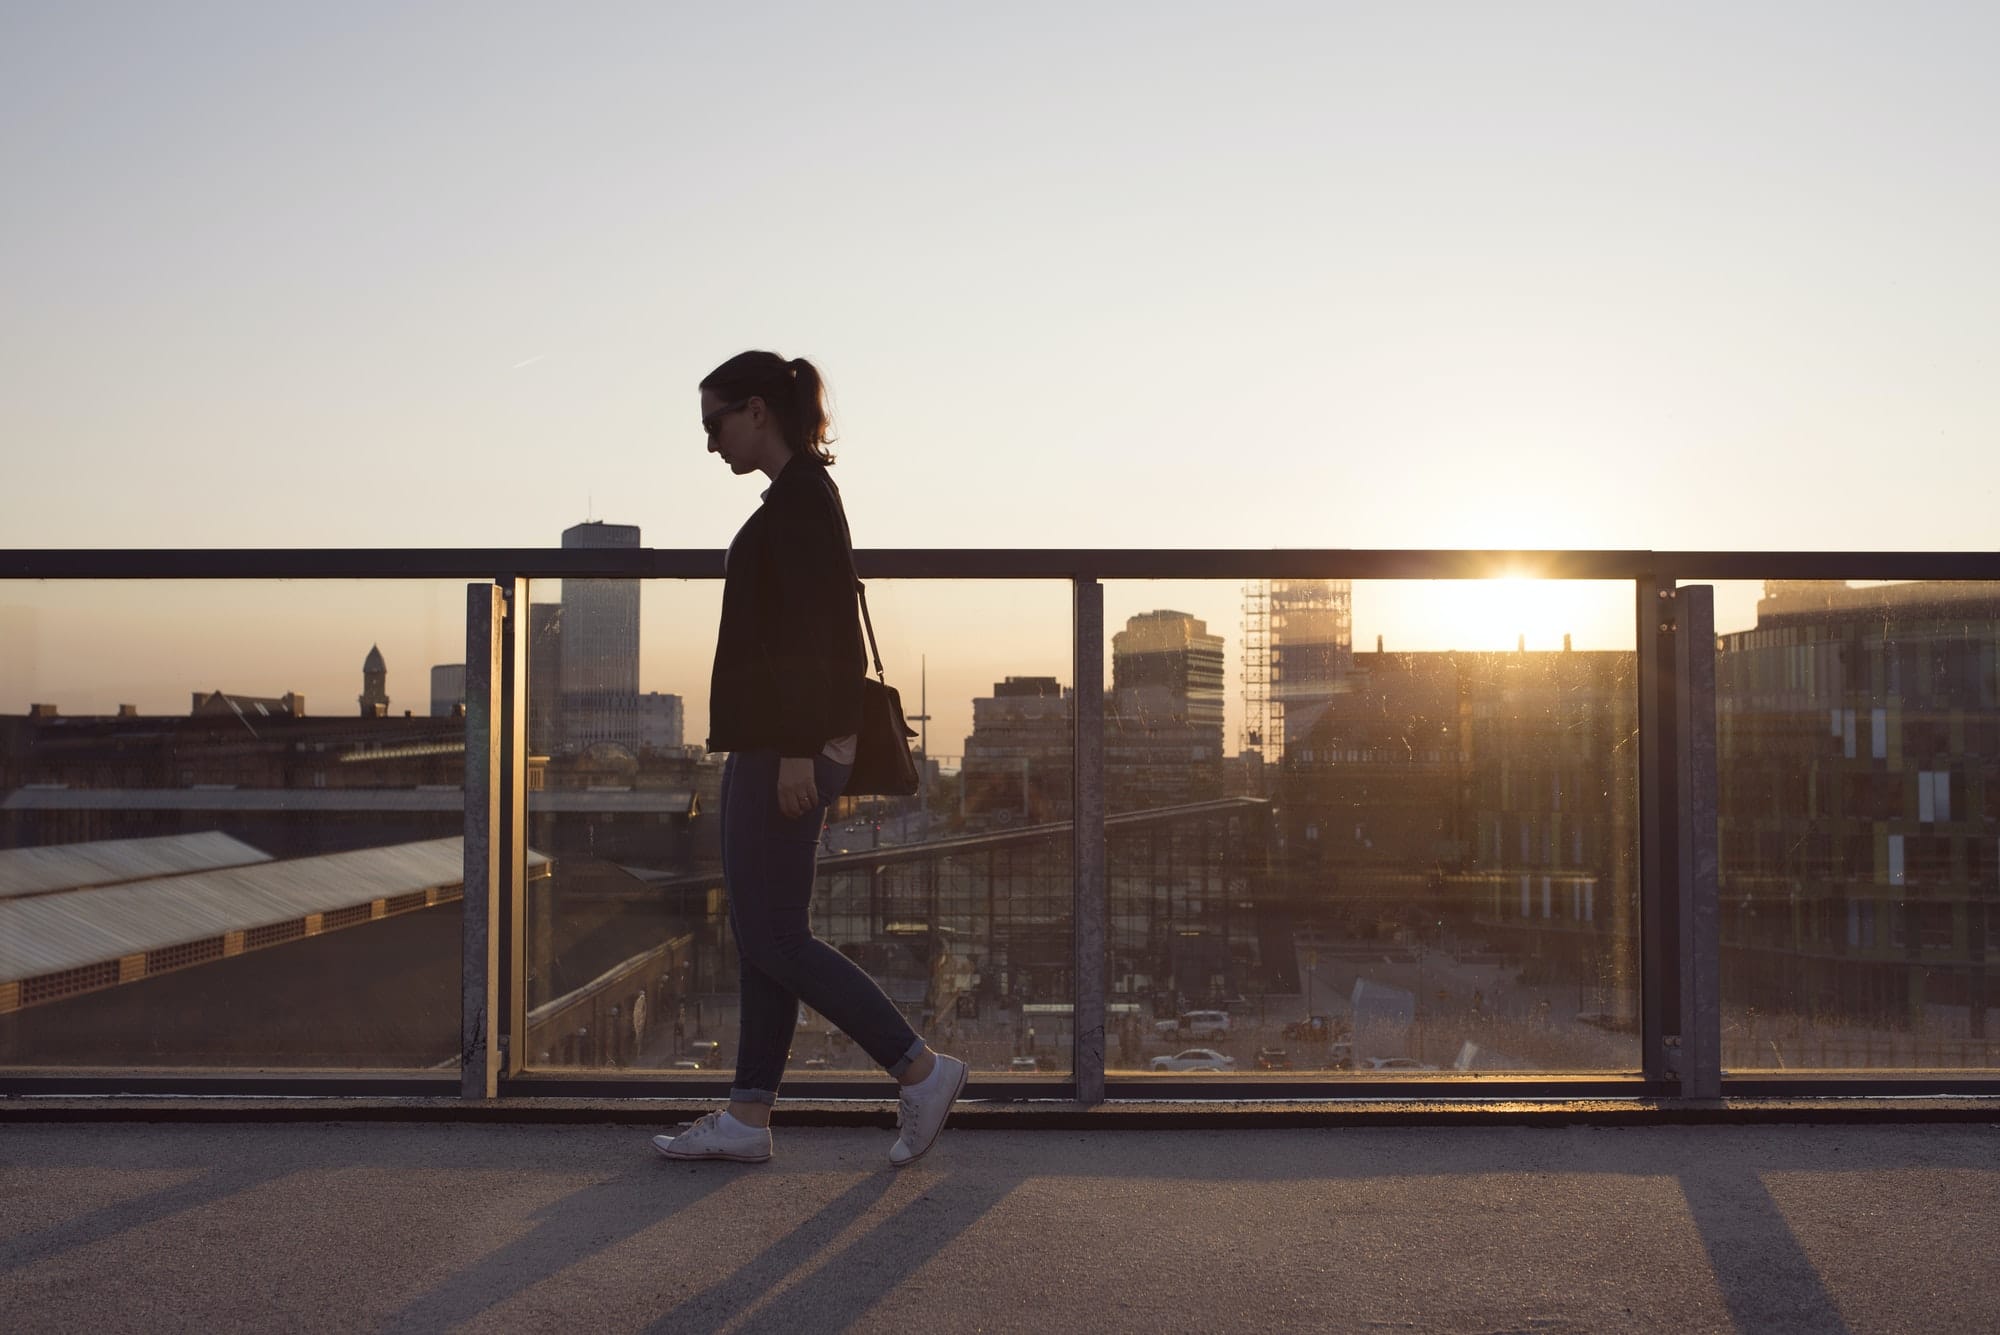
(1020, 757)
(447, 688)
(1163, 730)
(600, 648)
(661, 722)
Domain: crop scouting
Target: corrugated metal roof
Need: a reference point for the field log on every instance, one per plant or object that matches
(31, 871)
(647, 801)
(73, 928)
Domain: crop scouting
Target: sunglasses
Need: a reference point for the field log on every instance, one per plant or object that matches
(709, 421)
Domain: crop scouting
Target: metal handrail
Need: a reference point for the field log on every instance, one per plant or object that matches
(986, 563)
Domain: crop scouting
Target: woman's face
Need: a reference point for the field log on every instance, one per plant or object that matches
(731, 432)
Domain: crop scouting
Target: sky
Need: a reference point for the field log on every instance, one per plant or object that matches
(1703, 276)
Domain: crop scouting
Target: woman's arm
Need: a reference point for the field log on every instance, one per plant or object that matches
(812, 639)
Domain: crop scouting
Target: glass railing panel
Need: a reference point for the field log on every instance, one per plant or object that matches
(957, 900)
(231, 824)
(1858, 766)
(1371, 829)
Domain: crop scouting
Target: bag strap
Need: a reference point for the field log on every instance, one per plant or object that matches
(860, 590)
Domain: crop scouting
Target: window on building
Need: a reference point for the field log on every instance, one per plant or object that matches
(1934, 795)
(1934, 923)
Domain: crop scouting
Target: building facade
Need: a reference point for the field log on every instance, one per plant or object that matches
(447, 689)
(600, 649)
(1019, 760)
(1163, 722)
(1858, 746)
(662, 725)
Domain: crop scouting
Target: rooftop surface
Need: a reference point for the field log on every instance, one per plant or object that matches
(416, 1227)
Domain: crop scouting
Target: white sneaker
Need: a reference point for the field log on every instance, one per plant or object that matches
(710, 1138)
(921, 1110)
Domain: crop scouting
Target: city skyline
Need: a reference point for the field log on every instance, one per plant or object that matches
(1016, 630)
(59, 642)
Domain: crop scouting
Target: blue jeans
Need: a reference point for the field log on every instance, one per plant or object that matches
(768, 864)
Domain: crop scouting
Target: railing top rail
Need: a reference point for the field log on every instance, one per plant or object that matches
(1232, 563)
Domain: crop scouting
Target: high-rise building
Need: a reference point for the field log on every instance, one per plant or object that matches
(374, 685)
(1019, 760)
(661, 726)
(600, 648)
(447, 688)
(1163, 727)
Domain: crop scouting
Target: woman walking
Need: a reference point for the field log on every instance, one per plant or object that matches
(785, 703)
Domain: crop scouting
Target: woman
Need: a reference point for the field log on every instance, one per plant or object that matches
(785, 703)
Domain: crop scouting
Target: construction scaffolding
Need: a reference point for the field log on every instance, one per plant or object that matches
(1298, 647)
(1257, 669)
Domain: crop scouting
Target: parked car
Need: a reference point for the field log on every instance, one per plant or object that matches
(1395, 1064)
(1204, 1024)
(1024, 1064)
(1273, 1059)
(1194, 1024)
(1195, 1059)
(1340, 1057)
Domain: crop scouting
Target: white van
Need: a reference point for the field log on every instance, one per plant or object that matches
(1204, 1024)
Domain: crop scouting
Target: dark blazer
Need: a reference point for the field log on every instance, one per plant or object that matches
(788, 656)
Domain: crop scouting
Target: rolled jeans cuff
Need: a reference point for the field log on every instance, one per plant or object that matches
(902, 1063)
(763, 1096)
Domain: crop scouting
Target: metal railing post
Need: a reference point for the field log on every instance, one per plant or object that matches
(485, 841)
(513, 731)
(1659, 831)
(1088, 1003)
(1700, 929)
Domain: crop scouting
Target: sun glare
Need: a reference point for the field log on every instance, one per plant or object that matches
(1505, 612)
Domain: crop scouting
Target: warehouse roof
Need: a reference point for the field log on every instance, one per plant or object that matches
(34, 871)
(72, 929)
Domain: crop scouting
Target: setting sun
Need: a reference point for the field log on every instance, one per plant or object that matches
(1493, 613)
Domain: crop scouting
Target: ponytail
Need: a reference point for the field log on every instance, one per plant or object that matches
(792, 390)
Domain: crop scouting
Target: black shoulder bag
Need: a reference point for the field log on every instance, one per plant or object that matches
(883, 765)
(882, 760)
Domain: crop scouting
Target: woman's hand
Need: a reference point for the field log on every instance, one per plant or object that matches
(797, 794)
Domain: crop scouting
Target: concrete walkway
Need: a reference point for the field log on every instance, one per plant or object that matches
(352, 1226)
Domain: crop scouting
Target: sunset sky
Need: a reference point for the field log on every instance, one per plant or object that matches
(1254, 275)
